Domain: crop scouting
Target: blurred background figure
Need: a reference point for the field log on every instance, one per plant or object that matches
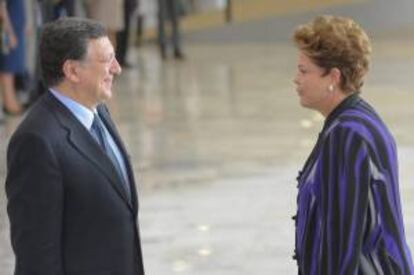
(168, 11)
(53, 9)
(12, 61)
(122, 37)
(109, 13)
(64, 8)
(44, 11)
(8, 39)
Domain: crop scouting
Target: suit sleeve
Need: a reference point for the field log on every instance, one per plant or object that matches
(35, 197)
(344, 195)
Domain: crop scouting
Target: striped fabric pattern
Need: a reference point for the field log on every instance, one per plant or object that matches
(349, 217)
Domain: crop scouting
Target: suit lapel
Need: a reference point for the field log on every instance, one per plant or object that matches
(83, 142)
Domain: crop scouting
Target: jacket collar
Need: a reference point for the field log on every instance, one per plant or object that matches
(348, 102)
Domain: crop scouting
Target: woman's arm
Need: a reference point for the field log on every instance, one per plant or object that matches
(345, 179)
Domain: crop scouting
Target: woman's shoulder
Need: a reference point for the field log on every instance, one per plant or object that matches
(361, 115)
(362, 121)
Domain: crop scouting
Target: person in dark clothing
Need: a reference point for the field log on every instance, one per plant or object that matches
(123, 36)
(54, 9)
(6, 29)
(71, 193)
(13, 61)
(168, 11)
(68, 6)
(349, 218)
(48, 11)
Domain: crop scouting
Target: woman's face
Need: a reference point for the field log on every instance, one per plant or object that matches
(312, 85)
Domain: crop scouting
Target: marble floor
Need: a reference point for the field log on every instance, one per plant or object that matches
(216, 143)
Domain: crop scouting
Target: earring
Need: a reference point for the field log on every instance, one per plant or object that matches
(331, 88)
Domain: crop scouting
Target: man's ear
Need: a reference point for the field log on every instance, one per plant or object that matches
(71, 71)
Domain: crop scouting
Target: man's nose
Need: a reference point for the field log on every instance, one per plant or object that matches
(115, 67)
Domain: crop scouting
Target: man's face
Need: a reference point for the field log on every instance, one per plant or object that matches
(97, 71)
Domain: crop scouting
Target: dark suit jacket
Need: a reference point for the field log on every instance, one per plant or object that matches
(68, 212)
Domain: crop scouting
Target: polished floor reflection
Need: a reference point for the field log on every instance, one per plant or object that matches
(216, 142)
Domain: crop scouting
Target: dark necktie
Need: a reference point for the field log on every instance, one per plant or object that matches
(98, 132)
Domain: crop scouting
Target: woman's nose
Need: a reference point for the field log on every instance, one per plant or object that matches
(295, 79)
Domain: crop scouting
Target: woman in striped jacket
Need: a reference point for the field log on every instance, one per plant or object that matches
(349, 218)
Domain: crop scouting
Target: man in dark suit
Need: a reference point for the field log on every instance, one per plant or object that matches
(71, 193)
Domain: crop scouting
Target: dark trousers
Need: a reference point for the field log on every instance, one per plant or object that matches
(122, 37)
(167, 11)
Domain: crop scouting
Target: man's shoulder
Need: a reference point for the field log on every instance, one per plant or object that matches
(40, 119)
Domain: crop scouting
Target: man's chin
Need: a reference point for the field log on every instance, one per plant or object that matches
(106, 96)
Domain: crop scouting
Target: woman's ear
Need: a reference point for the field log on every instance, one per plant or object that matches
(335, 75)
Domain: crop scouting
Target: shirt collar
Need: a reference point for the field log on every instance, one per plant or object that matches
(83, 114)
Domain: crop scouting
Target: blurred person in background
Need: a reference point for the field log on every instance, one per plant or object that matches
(12, 61)
(65, 8)
(122, 37)
(349, 218)
(168, 11)
(8, 38)
(46, 11)
(109, 13)
(50, 10)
